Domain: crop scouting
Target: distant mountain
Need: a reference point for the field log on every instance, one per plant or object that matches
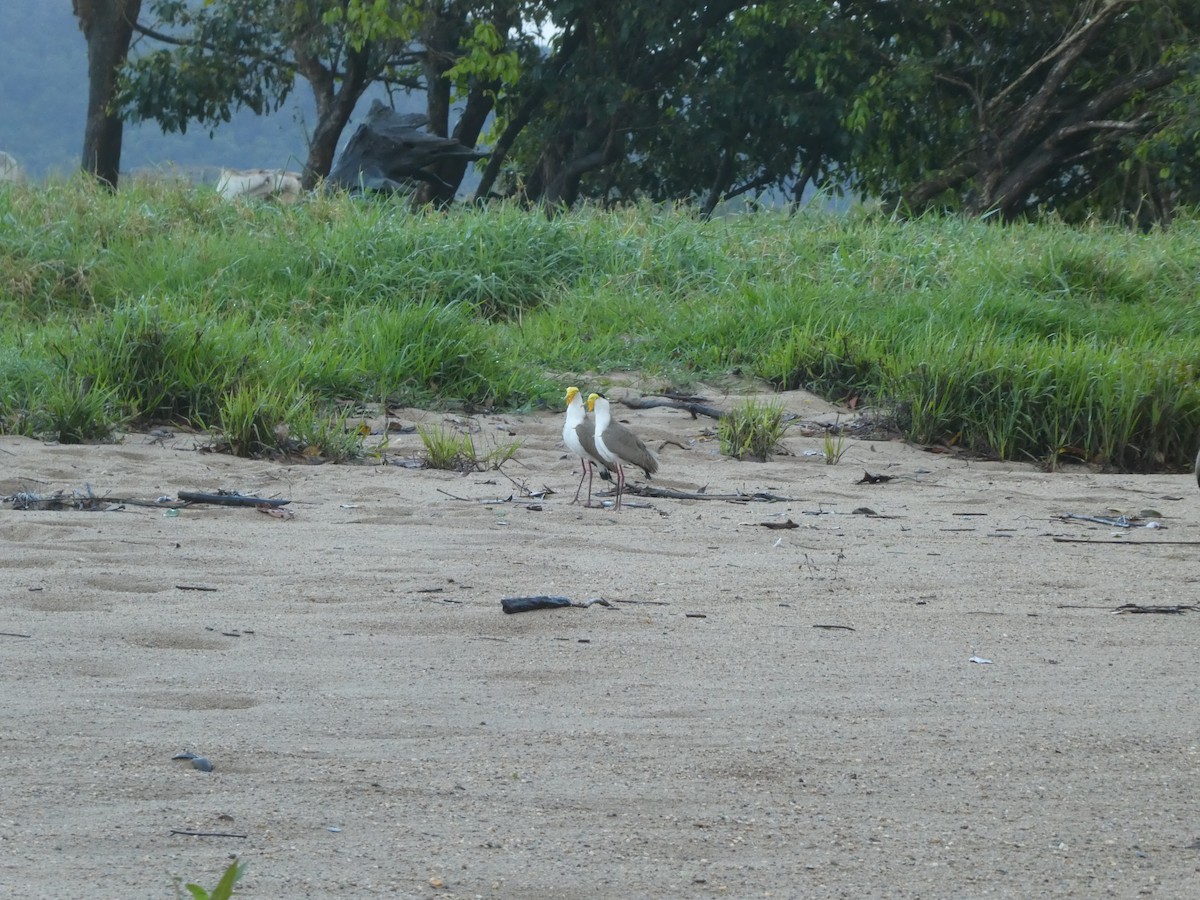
(43, 106)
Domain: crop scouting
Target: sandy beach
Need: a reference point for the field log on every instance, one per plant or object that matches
(921, 690)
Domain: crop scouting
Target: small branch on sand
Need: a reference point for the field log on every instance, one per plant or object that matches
(1125, 541)
(526, 604)
(645, 490)
(223, 498)
(524, 488)
(1118, 522)
(690, 404)
(494, 501)
(207, 833)
(1167, 610)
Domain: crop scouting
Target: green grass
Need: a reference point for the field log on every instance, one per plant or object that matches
(455, 451)
(752, 430)
(1034, 341)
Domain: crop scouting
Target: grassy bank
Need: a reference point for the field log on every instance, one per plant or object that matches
(163, 304)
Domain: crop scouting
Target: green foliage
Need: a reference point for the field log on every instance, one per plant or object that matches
(455, 451)
(752, 430)
(74, 410)
(1041, 342)
(446, 449)
(22, 376)
(486, 58)
(317, 433)
(833, 445)
(1071, 107)
(253, 421)
(225, 888)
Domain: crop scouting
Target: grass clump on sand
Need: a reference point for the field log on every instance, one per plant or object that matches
(752, 430)
(164, 303)
(455, 451)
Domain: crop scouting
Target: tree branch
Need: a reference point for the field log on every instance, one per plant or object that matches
(1073, 44)
(537, 96)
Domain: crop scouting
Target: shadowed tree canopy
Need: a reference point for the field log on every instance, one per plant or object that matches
(574, 111)
(1080, 107)
(1077, 107)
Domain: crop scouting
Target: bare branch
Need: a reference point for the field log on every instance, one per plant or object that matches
(1073, 45)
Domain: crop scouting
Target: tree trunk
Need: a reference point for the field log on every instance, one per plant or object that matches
(334, 108)
(1039, 136)
(466, 132)
(1008, 181)
(719, 183)
(807, 174)
(107, 26)
(562, 190)
(441, 40)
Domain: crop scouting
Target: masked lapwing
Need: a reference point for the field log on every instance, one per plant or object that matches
(579, 436)
(618, 446)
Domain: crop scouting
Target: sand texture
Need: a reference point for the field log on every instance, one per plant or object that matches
(787, 712)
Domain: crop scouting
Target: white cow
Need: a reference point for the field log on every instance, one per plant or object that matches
(10, 169)
(260, 184)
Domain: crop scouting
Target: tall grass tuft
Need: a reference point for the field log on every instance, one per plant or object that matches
(752, 430)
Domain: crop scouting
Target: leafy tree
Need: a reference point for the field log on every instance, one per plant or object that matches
(743, 117)
(216, 57)
(1077, 106)
(107, 26)
(603, 80)
(1015, 106)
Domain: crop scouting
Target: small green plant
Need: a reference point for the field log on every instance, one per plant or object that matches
(448, 449)
(834, 444)
(225, 887)
(321, 434)
(752, 430)
(456, 452)
(501, 453)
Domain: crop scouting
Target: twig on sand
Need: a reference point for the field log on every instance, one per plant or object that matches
(524, 489)
(1126, 541)
(207, 833)
(14, 634)
(1111, 522)
(1167, 610)
(85, 500)
(228, 498)
(492, 501)
(645, 490)
(526, 604)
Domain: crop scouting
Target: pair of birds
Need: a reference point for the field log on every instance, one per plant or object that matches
(603, 442)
